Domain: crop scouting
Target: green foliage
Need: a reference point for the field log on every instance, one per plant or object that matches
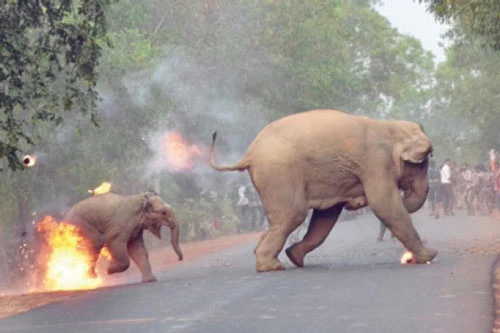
(194, 66)
(464, 118)
(478, 19)
(49, 51)
(465, 102)
(345, 55)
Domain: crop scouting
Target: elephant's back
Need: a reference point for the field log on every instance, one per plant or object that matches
(93, 210)
(311, 132)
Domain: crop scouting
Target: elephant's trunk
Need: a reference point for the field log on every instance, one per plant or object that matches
(174, 239)
(414, 201)
(415, 185)
(415, 195)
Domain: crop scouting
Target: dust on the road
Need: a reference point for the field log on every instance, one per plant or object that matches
(15, 304)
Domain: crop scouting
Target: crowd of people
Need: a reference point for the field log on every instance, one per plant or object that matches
(477, 190)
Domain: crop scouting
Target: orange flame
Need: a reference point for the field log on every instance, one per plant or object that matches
(179, 154)
(407, 258)
(68, 263)
(105, 253)
(101, 189)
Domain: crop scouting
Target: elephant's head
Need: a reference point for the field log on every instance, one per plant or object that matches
(158, 213)
(410, 157)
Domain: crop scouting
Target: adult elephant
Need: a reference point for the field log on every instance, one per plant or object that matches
(328, 160)
(117, 222)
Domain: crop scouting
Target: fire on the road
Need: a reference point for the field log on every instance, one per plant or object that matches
(180, 155)
(407, 258)
(67, 261)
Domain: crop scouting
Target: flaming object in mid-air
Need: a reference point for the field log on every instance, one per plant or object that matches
(179, 154)
(67, 263)
(29, 160)
(101, 189)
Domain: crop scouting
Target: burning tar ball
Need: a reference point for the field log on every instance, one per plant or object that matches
(29, 160)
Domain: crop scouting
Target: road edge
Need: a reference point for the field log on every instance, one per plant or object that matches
(495, 285)
(15, 304)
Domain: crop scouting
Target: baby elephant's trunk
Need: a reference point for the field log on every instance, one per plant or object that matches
(174, 239)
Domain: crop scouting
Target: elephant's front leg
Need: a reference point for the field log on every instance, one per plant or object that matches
(386, 203)
(322, 222)
(137, 251)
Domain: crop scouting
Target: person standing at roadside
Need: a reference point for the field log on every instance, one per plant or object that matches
(467, 178)
(243, 206)
(454, 173)
(446, 187)
(496, 188)
(434, 196)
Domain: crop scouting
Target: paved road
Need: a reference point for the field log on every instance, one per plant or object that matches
(351, 284)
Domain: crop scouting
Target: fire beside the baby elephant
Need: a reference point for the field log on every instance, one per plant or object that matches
(117, 222)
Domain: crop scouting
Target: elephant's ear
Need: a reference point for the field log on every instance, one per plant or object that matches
(414, 149)
(147, 207)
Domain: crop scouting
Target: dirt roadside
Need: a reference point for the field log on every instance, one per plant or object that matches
(15, 304)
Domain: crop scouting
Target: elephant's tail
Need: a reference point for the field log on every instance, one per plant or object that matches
(240, 166)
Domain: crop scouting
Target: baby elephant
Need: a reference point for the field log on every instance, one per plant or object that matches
(117, 222)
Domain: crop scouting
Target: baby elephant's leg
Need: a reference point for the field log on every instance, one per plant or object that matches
(92, 244)
(137, 251)
(119, 256)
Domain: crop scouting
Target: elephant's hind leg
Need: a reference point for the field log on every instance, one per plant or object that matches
(119, 256)
(282, 222)
(321, 224)
(94, 256)
(92, 245)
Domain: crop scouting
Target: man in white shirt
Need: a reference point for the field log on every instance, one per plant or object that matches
(447, 190)
(244, 209)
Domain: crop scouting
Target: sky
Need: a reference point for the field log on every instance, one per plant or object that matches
(411, 18)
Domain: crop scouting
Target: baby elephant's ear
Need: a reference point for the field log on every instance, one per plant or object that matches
(146, 202)
(147, 209)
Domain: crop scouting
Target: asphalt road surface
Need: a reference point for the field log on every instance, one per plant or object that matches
(350, 284)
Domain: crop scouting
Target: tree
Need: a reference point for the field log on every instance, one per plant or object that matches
(49, 51)
(200, 66)
(465, 101)
(477, 18)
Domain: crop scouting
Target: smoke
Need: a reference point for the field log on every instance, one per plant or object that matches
(187, 92)
(196, 98)
(196, 108)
